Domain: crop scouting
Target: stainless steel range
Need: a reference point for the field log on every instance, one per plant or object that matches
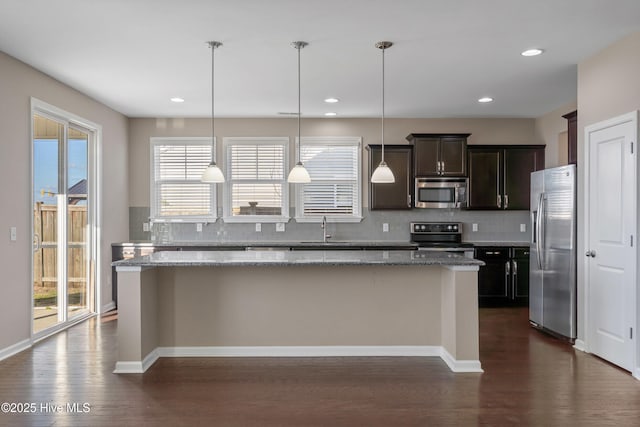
(440, 236)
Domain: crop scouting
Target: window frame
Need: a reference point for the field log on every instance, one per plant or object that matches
(213, 206)
(339, 141)
(227, 142)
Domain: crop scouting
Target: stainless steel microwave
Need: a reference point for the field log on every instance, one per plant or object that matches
(441, 193)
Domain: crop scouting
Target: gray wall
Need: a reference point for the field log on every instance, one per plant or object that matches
(18, 84)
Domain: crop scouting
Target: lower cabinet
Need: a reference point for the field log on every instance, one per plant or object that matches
(504, 280)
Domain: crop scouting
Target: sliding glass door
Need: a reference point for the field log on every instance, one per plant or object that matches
(63, 273)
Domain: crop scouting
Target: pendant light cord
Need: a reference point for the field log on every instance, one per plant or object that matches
(299, 108)
(383, 104)
(213, 135)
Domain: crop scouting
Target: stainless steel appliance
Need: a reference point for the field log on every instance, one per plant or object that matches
(552, 273)
(440, 236)
(441, 193)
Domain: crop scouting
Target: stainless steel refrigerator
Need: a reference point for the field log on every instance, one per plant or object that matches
(552, 274)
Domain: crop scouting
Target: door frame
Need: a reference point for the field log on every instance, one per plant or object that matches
(624, 118)
(94, 174)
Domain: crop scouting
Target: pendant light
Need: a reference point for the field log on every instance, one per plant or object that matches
(299, 174)
(213, 174)
(382, 174)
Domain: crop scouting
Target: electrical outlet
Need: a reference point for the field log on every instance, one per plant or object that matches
(199, 227)
(258, 227)
(523, 228)
(145, 226)
(13, 234)
(385, 227)
(280, 227)
(474, 227)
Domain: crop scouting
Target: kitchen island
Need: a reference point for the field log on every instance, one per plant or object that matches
(297, 304)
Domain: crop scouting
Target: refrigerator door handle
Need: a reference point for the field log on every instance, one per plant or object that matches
(539, 230)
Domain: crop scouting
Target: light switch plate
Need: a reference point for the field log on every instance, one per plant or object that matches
(474, 227)
(145, 226)
(280, 227)
(199, 227)
(13, 234)
(385, 227)
(523, 228)
(258, 227)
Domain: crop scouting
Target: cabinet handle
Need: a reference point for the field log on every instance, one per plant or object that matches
(438, 168)
(408, 200)
(506, 201)
(514, 281)
(507, 273)
(442, 168)
(499, 201)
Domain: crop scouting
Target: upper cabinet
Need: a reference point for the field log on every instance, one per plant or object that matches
(437, 155)
(398, 195)
(500, 176)
(572, 136)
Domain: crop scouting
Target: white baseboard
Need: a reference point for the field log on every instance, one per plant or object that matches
(636, 373)
(137, 367)
(14, 349)
(579, 345)
(460, 365)
(108, 307)
(300, 351)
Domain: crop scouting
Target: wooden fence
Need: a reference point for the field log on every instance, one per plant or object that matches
(45, 260)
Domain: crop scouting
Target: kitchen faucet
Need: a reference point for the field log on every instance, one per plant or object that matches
(325, 235)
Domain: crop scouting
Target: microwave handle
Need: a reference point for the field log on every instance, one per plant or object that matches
(456, 197)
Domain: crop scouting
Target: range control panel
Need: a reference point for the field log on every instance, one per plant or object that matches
(436, 227)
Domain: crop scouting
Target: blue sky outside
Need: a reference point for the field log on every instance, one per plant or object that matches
(45, 167)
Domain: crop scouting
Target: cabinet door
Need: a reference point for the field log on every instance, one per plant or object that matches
(399, 194)
(572, 137)
(518, 165)
(520, 276)
(494, 278)
(484, 178)
(453, 156)
(426, 156)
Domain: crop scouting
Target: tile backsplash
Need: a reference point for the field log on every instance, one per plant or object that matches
(492, 226)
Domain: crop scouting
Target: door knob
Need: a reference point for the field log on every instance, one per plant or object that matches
(591, 254)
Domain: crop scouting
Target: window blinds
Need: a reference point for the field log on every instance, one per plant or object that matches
(334, 166)
(176, 188)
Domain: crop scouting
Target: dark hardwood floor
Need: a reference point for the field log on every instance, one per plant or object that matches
(529, 379)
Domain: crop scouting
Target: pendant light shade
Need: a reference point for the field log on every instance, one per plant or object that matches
(299, 174)
(213, 174)
(382, 174)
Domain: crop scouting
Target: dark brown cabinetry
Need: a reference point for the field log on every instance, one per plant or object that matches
(504, 280)
(398, 195)
(439, 154)
(572, 136)
(500, 176)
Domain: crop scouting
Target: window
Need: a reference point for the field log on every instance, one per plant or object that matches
(256, 189)
(334, 191)
(176, 191)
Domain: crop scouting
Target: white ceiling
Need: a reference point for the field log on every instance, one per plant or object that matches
(133, 55)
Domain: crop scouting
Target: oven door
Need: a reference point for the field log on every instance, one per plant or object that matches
(441, 193)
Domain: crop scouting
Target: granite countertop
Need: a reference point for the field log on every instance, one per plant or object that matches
(501, 244)
(274, 244)
(295, 258)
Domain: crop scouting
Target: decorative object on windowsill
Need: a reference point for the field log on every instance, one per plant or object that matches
(382, 174)
(213, 174)
(299, 174)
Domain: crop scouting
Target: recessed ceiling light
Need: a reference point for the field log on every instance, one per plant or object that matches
(532, 52)
(331, 100)
(485, 99)
(177, 99)
(331, 114)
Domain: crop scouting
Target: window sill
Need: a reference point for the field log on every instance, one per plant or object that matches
(255, 219)
(352, 219)
(201, 220)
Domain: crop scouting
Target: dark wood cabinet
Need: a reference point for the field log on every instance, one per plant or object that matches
(500, 176)
(572, 137)
(398, 195)
(504, 279)
(438, 155)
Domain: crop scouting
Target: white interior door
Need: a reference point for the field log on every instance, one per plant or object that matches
(611, 249)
